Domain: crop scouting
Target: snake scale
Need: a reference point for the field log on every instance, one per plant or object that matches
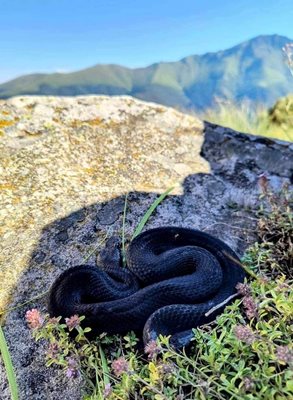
(174, 276)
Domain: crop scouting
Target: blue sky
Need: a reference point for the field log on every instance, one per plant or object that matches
(66, 35)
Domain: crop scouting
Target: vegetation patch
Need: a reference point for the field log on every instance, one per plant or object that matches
(245, 354)
(276, 122)
(274, 252)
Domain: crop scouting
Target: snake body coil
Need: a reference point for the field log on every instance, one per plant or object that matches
(174, 276)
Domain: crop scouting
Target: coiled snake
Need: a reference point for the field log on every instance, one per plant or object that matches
(174, 276)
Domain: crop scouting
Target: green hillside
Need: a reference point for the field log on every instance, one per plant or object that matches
(253, 70)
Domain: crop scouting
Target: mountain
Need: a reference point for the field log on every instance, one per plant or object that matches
(253, 70)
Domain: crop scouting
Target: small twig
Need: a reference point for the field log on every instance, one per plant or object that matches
(247, 270)
(247, 217)
(229, 226)
(238, 238)
(221, 304)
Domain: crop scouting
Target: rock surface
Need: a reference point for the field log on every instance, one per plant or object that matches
(66, 165)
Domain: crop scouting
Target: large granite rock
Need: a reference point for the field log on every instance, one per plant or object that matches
(66, 165)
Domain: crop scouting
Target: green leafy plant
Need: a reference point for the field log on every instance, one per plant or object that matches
(246, 354)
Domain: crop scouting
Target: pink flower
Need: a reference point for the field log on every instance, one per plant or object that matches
(72, 371)
(250, 307)
(107, 391)
(248, 384)
(72, 322)
(263, 279)
(244, 334)
(120, 366)
(284, 354)
(34, 318)
(165, 369)
(152, 349)
(243, 289)
(53, 350)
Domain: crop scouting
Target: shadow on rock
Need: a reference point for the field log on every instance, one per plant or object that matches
(222, 203)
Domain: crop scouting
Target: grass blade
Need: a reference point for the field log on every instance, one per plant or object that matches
(123, 231)
(25, 303)
(105, 368)
(96, 248)
(149, 212)
(8, 366)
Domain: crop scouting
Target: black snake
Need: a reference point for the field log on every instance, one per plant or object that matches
(174, 276)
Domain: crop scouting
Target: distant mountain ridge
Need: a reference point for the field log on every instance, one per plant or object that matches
(253, 70)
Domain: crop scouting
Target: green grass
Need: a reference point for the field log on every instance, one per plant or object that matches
(8, 366)
(256, 120)
(143, 221)
(149, 212)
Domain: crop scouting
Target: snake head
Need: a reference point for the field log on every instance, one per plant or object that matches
(110, 256)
